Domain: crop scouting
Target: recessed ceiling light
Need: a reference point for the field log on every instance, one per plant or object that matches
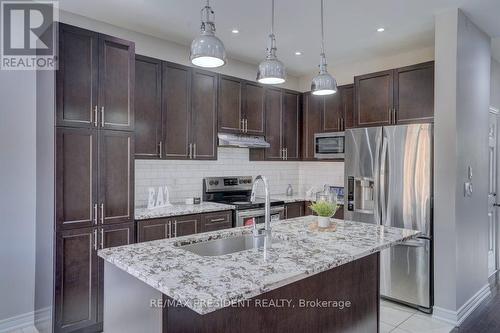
(297, 53)
(235, 31)
(380, 29)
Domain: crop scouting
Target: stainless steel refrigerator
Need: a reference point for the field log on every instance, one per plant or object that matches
(388, 181)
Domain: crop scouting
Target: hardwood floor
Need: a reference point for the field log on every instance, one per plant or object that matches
(485, 318)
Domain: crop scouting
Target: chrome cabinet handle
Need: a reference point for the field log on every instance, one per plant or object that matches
(246, 125)
(96, 117)
(161, 149)
(222, 219)
(102, 213)
(167, 230)
(95, 239)
(190, 151)
(102, 238)
(102, 116)
(175, 228)
(194, 150)
(338, 124)
(95, 214)
(342, 128)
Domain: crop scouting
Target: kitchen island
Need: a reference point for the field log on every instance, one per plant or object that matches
(308, 280)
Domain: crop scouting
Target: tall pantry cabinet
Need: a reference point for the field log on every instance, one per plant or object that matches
(94, 181)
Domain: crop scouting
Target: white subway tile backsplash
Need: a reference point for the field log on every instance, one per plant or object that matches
(184, 178)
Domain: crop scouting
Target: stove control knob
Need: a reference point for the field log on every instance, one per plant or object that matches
(211, 182)
(216, 182)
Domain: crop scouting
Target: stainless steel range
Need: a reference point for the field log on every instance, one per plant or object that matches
(236, 191)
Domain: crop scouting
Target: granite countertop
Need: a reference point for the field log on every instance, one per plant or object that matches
(295, 198)
(206, 284)
(177, 209)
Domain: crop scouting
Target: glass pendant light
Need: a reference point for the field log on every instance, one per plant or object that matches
(207, 50)
(271, 70)
(323, 83)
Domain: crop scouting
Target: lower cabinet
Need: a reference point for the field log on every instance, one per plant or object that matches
(183, 225)
(295, 209)
(79, 275)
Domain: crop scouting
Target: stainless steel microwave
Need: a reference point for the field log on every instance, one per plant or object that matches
(329, 145)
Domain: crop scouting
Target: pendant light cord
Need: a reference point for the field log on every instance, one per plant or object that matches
(322, 30)
(272, 17)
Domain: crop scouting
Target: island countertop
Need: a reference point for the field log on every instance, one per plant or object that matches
(206, 284)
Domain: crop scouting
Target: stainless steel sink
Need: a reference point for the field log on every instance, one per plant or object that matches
(223, 246)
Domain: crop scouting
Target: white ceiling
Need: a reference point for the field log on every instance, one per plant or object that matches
(350, 26)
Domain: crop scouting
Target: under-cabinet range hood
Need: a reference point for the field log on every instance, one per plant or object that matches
(242, 141)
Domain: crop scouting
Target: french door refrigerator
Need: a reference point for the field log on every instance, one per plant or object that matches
(388, 177)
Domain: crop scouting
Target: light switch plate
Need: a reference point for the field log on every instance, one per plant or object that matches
(468, 189)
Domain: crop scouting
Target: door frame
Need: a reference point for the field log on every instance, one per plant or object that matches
(496, 112)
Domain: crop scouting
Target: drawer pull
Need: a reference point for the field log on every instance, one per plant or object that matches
(222, 219)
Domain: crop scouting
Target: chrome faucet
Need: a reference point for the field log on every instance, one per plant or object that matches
(267, 209)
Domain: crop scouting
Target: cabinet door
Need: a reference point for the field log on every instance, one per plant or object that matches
(291, 125)
(230, 102)
(116, 83)
(216, 221)
(76, 177)
(76, 280)
(116, 177)
(274, 123)
(333, 112)
(347, 93)
(176, 110)
(150, 230)
(339, 214)
(185, 225)
(147, 108)
(76, 91)
(204, 115)
(295, 209)
(254, 108)
(307, 209)
(414, 94)
(311, 124)
(374, 99)
(116, 235)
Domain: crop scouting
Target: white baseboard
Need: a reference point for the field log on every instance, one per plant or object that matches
(456, 318)
(17, 322)
(43, 320)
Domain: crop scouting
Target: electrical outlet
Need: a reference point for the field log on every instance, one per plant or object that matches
(468, 189)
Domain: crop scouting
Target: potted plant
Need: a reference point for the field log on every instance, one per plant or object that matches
(325, 210)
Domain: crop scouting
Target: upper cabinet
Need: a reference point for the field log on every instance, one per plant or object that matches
(311, 123)
(189, 113)
(241, 106)
(95, 81)
(414, 94)
(291, 125)
(399, 96)
(148, 115)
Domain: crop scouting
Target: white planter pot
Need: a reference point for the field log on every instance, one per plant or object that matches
(323, 222)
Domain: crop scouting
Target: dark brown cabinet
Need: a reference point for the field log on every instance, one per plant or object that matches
(116, 177)
(399, 96)
(77, 77)
(148, 111)
(186, 225)
(333, 112)
(216, 221)
(241, 106)
(116, 83)
(294, 209)
(190, 113)
(311, 123)
(339, 214)
(154, 229)
(95, 81)
(203, 115)
(76, 177)
(283, 130)
(347, 93)
(414, 94)
(76, 281)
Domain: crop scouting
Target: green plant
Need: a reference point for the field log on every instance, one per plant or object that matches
(324, 208)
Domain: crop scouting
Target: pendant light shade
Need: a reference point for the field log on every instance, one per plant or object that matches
(323, 83)
(207, 50)
(271, 70)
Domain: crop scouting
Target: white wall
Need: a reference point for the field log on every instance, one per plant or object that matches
(344, 72)
(17, 192)
(463, 59)
(495, 84)
(184, 178)
(166, 50)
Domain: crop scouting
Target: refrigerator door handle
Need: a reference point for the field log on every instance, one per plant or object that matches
(383, 176)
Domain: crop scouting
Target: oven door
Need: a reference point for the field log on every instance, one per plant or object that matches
(329, 145)
(251, 216)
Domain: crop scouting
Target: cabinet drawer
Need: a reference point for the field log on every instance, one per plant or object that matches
(217, 221)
